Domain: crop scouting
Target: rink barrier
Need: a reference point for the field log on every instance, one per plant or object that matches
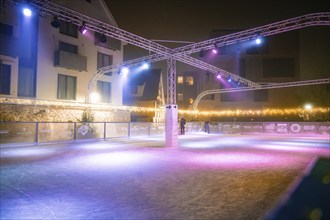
(43, 132)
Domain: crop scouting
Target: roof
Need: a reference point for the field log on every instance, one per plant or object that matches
(95, 9)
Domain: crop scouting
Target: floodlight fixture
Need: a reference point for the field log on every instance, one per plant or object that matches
(82, 28)
(258, 40)
(308, 106)
(27, 12)
(215, 50)
(124, 70)
(55, 22)
(103, 38)
(145, 66)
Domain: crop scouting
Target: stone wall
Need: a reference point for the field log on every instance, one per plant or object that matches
(42, 111)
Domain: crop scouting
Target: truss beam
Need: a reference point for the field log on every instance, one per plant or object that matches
(264, 86)
(315, 19)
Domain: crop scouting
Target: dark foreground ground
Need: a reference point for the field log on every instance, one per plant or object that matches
(207, 177)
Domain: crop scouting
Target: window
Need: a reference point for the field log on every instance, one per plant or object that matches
(68, 29)
(26, 86)
(212, 97)
(190, 80)
(5, 72)
(180, 79)
(68, 47)
(6, 29)
(104, 60)
(180, 97)
(104, 90)
(66, 87)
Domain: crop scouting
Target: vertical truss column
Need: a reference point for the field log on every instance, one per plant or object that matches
(171, 111)
(171, 81)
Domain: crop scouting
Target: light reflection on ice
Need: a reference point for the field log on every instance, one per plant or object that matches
(27, 152)
(112, 159)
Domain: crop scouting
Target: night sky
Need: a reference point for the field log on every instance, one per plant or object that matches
(192, 20)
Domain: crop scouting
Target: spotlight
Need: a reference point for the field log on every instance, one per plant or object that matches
(27, 12)
(258, 41)
(95, 97)
(215, 50)
(145, 66)
(55, 22)
(103, 38)
(229, 80)
(218, 76)
(308, 106)
(124, 70)
(82, 28)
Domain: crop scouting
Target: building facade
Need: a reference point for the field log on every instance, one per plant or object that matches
(288, 57)
(45, 59)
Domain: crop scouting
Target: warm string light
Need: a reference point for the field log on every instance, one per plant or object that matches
(236, 112)
(262, 112)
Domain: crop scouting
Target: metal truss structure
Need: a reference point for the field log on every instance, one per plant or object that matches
(171, 81)
(47, 7)
(262, 86)
(315, 19)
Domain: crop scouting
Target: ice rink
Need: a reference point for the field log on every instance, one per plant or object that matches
(208, 177)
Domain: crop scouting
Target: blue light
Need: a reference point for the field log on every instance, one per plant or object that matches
(258, 41)
(229, 80)
(124, 70)
(145, 66)
(27, 12)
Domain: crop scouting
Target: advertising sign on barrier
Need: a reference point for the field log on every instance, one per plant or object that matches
(270, 128)
(282, 128)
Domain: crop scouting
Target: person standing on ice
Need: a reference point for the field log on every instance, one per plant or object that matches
(207, 127)
(182, 125)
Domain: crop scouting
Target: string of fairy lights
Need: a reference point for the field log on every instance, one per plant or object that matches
(242, 112)
(221, 113)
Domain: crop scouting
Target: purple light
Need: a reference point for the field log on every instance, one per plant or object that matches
(27, 12)
(215, 51)
(82, 29)
(218, 76)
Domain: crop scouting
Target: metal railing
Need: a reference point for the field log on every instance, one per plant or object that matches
(44, 132)
(41, 132)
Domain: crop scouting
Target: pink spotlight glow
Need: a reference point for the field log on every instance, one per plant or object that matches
(215, 51)
(244, 160)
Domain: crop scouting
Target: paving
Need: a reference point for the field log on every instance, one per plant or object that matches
(207, 177)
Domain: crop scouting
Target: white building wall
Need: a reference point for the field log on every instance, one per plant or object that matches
(48, 43)
(47, 73)
(49, 38)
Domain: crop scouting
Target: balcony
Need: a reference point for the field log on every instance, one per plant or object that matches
(70, 60)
